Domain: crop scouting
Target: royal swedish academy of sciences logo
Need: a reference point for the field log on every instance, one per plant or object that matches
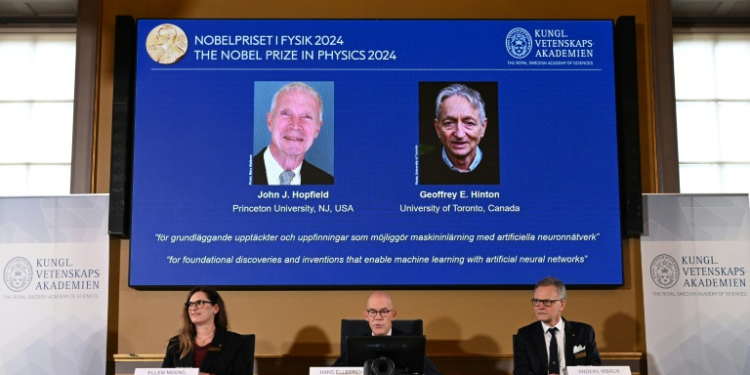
(518, 43)
(17, 274)
(665, 271)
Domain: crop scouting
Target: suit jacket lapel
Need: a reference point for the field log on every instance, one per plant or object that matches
(303, 180)
(259, 169)
(214, 350)
(570, 340)
(541, 346)
(187, 361)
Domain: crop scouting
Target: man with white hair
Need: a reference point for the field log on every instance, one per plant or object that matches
(294, 121)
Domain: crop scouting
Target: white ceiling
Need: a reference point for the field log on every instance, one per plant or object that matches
(38, 10)
(710, 10)
(46, 10)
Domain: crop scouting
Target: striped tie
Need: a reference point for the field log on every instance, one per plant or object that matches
(285, 178)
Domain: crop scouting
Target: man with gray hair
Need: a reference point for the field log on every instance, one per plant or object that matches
(552, 343)
(294, 121)
(460, 123)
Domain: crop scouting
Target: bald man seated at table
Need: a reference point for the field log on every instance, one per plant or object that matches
(379, 313)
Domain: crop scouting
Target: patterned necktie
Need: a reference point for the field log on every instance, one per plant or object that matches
(554, 362)
(285, 178)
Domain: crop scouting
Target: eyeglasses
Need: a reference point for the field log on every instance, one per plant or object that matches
(545, 302)
(198, 304)
(383, 313)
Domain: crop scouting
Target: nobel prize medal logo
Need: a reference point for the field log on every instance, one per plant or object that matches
(665, 271)
(166, 44)
(518, 43)
(17, 274)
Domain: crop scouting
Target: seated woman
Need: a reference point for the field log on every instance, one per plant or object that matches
(204, 340)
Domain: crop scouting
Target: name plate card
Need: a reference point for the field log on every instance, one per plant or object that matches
(600, 370)
(167, 371)
(337, 370)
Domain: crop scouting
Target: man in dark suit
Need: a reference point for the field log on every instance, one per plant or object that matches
(552, 343)
(309, 174)
(379, 314)
(295, 121)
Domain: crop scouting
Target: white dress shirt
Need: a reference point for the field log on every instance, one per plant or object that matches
(273, 170)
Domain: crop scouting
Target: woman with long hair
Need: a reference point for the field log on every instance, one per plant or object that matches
(204, 340)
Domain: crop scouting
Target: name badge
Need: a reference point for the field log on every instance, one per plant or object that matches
(598, 370)
(580, 355)
(336, 371)
(166, 371)
(214, 348)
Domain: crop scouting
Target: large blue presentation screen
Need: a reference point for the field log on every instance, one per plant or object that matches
(420, 154)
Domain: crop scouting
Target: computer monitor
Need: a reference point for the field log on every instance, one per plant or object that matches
(406, 352)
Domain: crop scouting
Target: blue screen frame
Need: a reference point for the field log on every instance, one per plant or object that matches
(197, 218)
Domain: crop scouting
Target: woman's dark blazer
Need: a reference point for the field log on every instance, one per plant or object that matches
(229, 354)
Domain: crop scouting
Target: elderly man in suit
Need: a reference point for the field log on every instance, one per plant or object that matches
(552, 343)
(294, 122)
(460, 123)
(379, 314)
